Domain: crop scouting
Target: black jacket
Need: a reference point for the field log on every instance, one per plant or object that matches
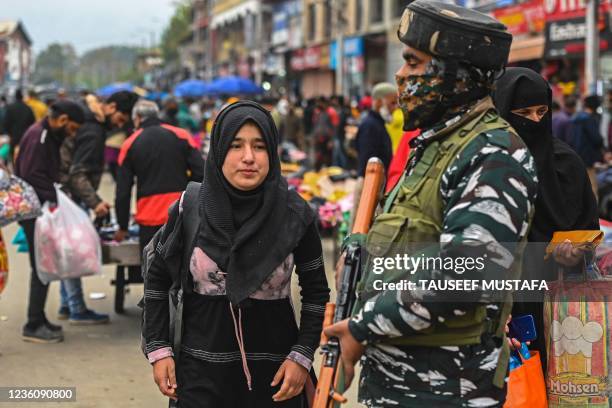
(373, 141)
(163, 159)
(38, 162)
(17, 119)
(587, 140)
(85, 159)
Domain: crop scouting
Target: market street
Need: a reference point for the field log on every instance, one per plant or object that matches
(103, 362)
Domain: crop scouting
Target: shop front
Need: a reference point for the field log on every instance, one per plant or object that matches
(312, 66)
(526, 22)
(565, 35)
(353, 65)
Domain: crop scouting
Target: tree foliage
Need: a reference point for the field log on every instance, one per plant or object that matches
(105, 65)
(57, 63)
(176, 31)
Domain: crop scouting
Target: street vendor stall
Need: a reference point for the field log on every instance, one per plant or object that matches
(126, 256)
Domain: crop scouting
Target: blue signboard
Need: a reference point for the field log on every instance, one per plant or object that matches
(353, 47)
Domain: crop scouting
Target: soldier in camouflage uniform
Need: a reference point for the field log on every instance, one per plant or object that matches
(471, 178)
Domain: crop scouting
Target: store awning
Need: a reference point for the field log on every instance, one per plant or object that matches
(526, 49)
(235, 13)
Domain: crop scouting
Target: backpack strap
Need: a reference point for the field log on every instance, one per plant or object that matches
(190, 223)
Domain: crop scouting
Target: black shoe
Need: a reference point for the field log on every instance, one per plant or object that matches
(42, 335)
(53, 327)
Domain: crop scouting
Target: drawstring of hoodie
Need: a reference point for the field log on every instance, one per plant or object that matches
(240, 339)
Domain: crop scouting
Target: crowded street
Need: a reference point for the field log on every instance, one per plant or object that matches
(306, 203)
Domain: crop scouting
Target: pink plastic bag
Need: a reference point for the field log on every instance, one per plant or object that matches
(66, 242)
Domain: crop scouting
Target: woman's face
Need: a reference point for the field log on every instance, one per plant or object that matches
(534, 113)
(246, 164)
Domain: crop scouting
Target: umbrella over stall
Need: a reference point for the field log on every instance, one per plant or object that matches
(235, 85)
(110, 89)
(193, 88)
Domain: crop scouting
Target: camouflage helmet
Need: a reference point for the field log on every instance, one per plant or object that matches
(453, 32)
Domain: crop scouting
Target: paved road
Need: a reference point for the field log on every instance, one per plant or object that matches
(104, 363)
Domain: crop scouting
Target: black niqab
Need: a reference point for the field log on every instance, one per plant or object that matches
(565, 200)
(248, 233)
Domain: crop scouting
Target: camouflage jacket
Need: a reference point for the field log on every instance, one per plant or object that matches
(488, 193)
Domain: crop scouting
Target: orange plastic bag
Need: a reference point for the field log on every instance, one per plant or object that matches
(526, 387)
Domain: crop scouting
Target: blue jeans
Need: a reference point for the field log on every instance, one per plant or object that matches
(71, 291)
(339, 156)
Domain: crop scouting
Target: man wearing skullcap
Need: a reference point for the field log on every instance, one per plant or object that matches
(38, 163)
(372, 137)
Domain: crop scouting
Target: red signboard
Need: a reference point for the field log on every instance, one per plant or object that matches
(523, 18)
(310, 58)
(566, 9)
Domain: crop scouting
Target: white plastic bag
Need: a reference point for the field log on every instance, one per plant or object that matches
(66, 242)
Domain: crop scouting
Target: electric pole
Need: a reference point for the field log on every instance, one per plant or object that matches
(592, 46)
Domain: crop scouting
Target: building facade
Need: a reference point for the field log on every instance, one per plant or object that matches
(15, 54)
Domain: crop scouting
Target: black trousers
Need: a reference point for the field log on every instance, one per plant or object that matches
(38, 290)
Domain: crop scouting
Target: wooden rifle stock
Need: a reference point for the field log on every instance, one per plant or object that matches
(326, 395)
(374, 175)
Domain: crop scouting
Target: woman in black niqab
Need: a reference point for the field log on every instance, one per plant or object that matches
(565, 200)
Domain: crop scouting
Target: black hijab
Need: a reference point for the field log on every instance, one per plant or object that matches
(248, 234)
(565, 200)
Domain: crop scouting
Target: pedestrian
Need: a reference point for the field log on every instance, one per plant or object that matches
(170, 112)
(372, 137)
(117, 111)
(565, 201)
(162, 159)
(396, 129)
(470, 186)
(586, 138)
(81, 173)
(3, 106)
(38, 164)
(340, 158)
(323, 133)
(241, 346)
(17, 119)
(39, 108)
(562, 118)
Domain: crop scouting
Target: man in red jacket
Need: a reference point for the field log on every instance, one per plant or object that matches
(163, 159)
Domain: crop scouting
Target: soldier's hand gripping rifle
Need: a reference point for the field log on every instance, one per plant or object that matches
(327, 395)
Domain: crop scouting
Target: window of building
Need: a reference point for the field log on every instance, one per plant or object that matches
(312, 21)
(328, 18)
(358, 15)
(376, 11)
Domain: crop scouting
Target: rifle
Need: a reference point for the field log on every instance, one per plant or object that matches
(326, 395)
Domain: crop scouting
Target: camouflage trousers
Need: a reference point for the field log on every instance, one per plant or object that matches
(431, 377)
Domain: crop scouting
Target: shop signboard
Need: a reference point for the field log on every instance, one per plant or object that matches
(310, 58)
(566, 27)
(522, 19)
(354, 47)
(557, 10)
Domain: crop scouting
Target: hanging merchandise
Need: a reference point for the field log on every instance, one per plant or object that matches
(4, 267)
(18, 201)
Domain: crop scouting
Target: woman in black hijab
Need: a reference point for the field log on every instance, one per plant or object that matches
(241, 346)
(565, 200)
